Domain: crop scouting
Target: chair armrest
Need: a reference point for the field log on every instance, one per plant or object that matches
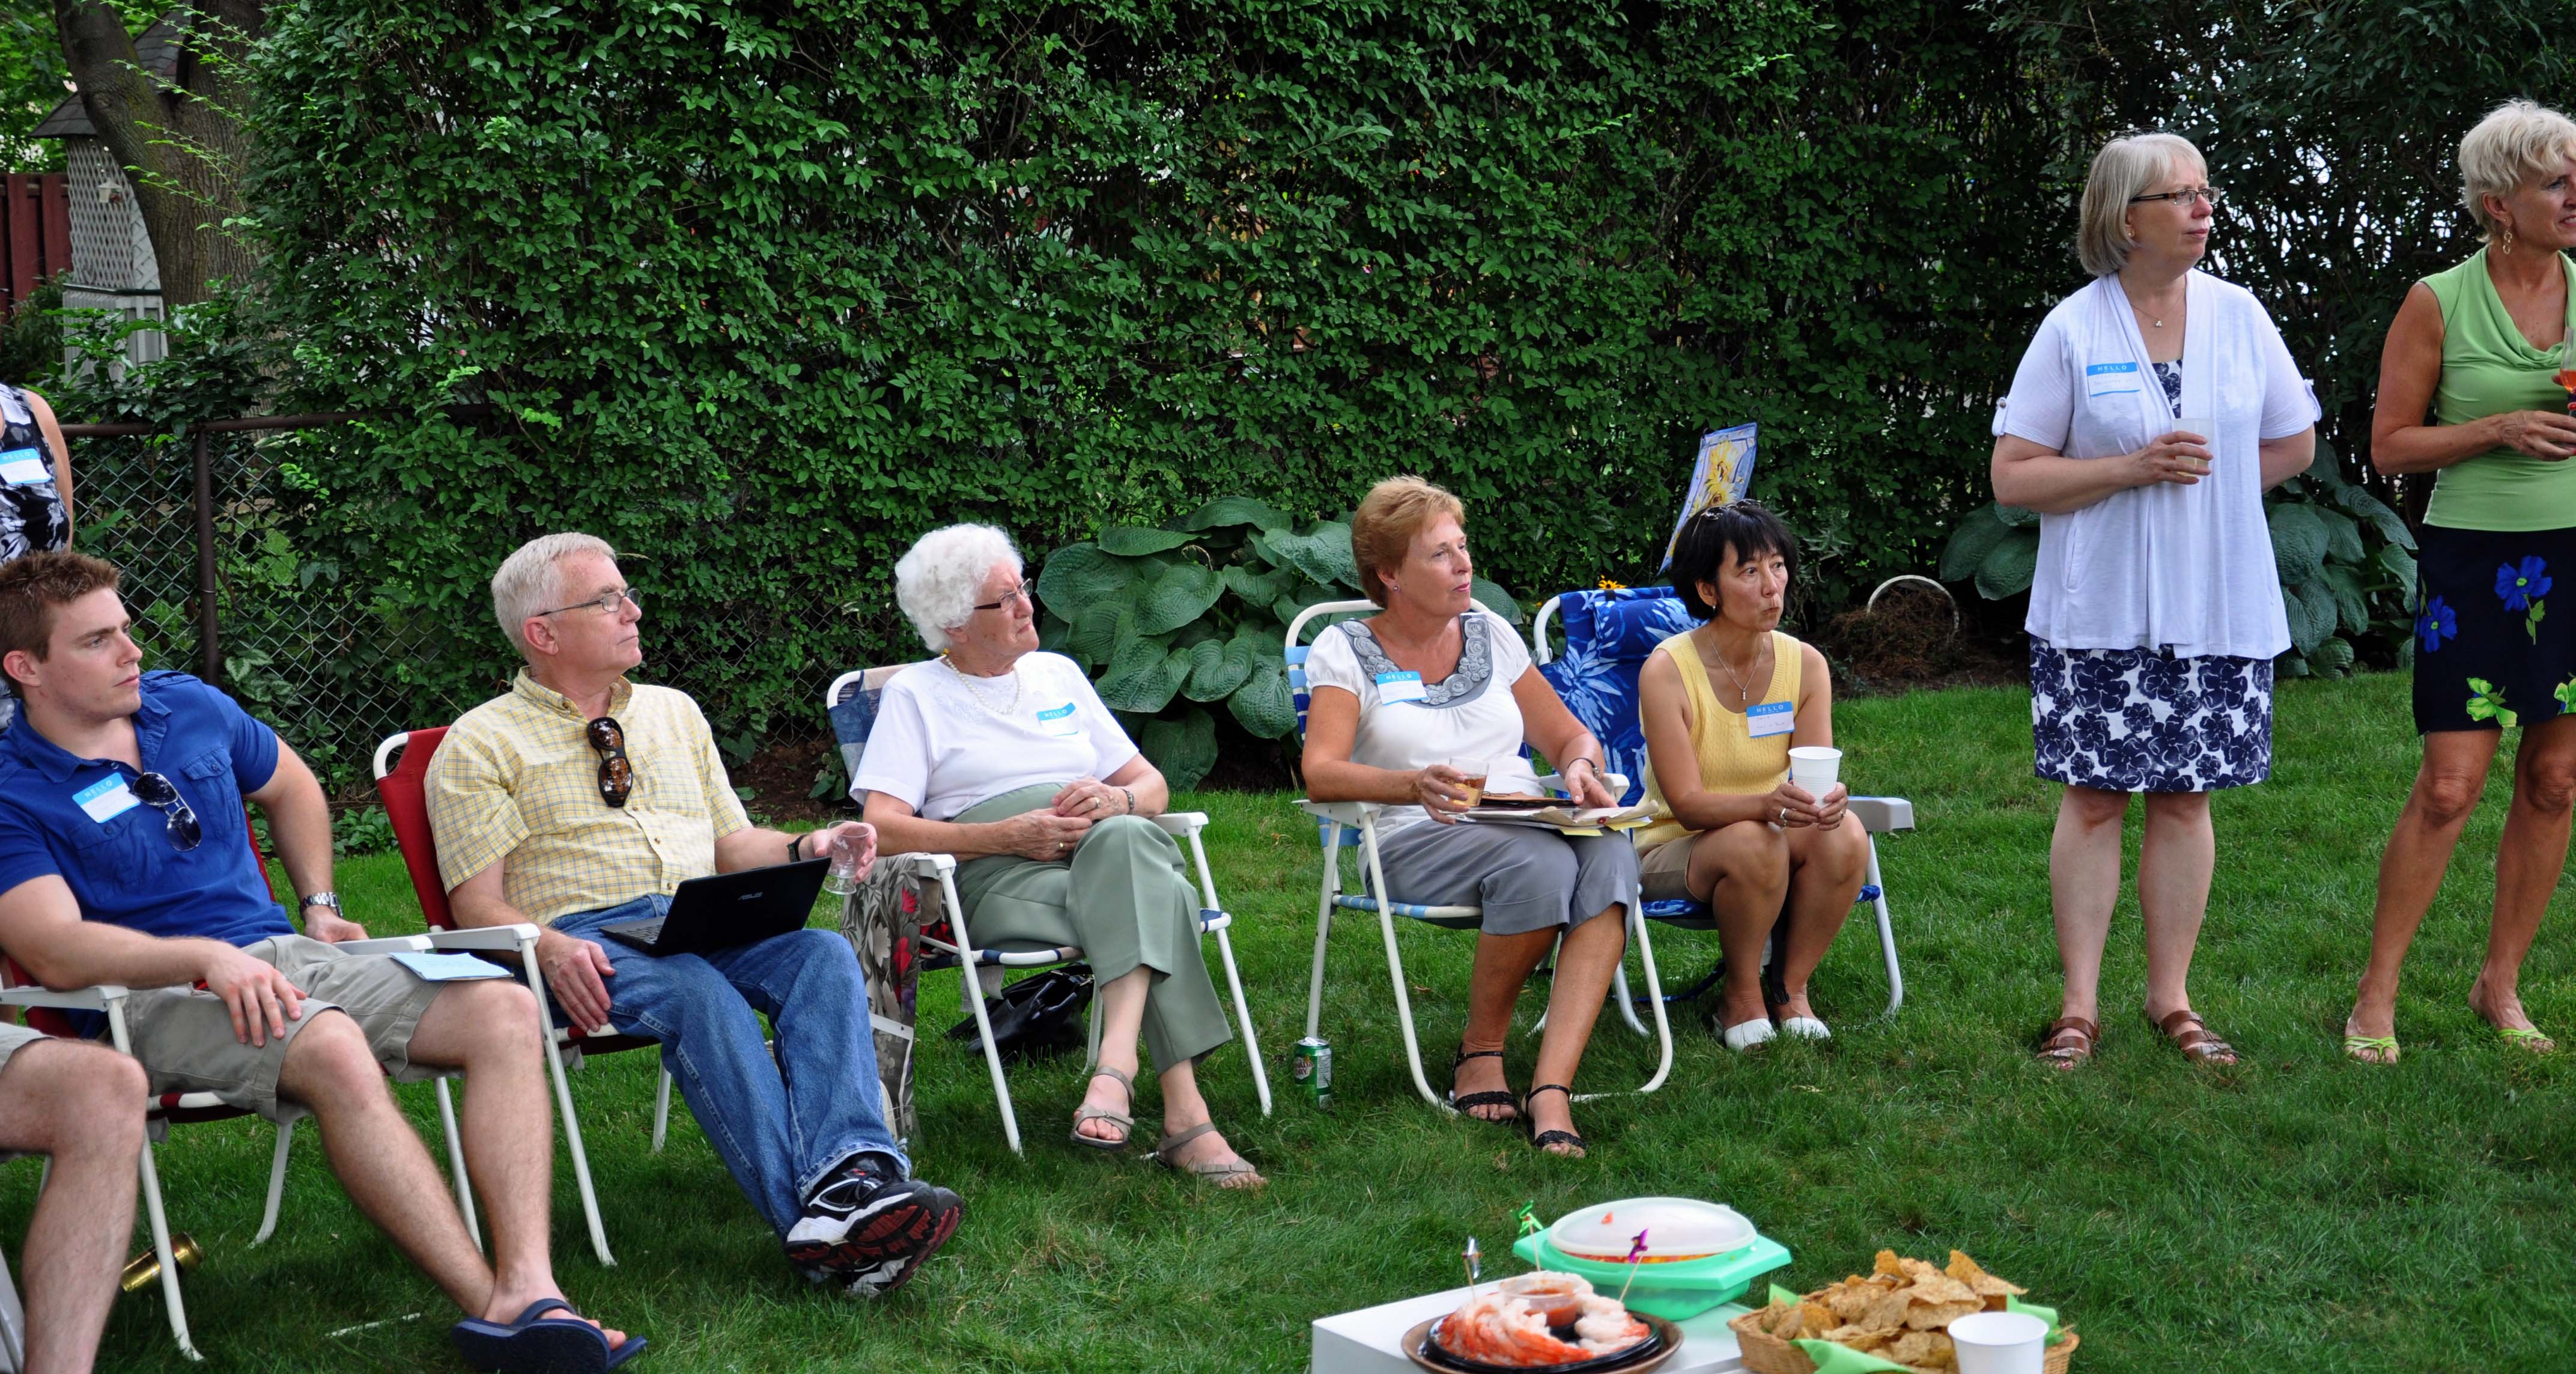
(499, 939)
(927, 865)
(1348, 813)
(78, 999)
(1879, 815)
(387, 944)
(1180, 822)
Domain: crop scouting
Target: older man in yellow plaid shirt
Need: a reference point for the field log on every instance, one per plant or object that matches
(580, 798)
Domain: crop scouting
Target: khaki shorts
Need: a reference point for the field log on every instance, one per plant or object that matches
(13, 1038)
(1663, 871)
(184, 1037)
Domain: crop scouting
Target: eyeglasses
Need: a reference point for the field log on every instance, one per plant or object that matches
(616, 773)
(605, 602)
(2186, 195)
(152, 789)
(1019, 592)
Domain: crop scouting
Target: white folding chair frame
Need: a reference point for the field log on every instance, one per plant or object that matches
(566, 1047)
(1335, 817)
(971, 961)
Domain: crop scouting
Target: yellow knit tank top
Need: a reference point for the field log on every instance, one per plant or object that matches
(1731, 760)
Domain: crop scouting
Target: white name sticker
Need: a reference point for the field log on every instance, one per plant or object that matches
(1399, 687)
(1771, 718)
(2111, 379)
(106, 799)
(1060, 721)
(23, 467)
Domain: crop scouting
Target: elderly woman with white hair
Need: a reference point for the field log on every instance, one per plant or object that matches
(2470, 389)
(1005, 757)
(2149, 416)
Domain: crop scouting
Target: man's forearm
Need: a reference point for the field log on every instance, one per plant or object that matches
(97, 953)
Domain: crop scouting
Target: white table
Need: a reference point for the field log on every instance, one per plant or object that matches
(1365, 1342)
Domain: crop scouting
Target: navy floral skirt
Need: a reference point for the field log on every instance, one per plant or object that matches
(2142, 720)
(2488, 652)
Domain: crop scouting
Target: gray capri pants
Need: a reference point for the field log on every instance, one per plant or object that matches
(1526, 878)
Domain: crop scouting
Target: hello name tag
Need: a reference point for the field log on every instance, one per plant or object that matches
(1060, 721)
(106, 799)
(2111, 379)
(1400, 687)
(1771, 718)
(24, 467)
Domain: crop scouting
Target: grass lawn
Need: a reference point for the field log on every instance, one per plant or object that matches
(2295, 1212)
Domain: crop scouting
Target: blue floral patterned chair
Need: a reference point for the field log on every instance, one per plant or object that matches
(1608, 634)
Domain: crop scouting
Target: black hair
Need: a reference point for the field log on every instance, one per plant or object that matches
(1742, 528)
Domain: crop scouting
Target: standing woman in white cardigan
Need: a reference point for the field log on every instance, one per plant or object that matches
(2155, 612)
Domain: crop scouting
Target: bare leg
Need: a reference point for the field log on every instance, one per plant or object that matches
(1184, 1108)
(2084, 886)
(1584, 968)
(2447, 787)
(2175, 858)
(1503, 965)
(1826, 869)
(1742, 872)
(1121, 1009)
(2531, 855)
(83, 1105)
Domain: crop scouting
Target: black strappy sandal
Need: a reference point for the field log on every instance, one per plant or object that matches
(1465, 1105)
(1543, 1139)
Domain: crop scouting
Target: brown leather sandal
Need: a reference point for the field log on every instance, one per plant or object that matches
(2068, 1042)
(2193, 1038)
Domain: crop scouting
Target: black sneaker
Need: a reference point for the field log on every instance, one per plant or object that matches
(868, 1229)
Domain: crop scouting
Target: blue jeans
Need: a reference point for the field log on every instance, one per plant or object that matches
(779, 1124)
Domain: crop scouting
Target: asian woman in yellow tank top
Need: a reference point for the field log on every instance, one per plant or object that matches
(1721, 706)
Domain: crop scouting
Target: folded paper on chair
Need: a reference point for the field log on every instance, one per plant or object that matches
(448, 968)
(1564, 817)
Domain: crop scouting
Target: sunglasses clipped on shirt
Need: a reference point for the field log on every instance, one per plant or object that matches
(616, 772)
(152, 789)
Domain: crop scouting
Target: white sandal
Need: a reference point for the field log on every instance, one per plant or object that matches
(1744, 1035)
(1806, 1028)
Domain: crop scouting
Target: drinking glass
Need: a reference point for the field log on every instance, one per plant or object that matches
(1472, 772)
(842, 878)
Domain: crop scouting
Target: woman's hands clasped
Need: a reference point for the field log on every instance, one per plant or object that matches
(2180, 457)
(1041, 835)
(1791, 806)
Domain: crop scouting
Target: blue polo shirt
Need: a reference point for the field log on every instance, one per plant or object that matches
(124, 868)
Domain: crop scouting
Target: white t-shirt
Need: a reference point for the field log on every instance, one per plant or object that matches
(943, 742)
(1479, 719)
(2186, 567)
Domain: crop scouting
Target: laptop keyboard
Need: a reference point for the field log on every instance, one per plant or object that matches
(650, 932)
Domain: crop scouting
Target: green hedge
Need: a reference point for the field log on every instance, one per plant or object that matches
(765, 290)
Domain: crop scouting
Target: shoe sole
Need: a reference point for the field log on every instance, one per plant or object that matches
(882, 1249)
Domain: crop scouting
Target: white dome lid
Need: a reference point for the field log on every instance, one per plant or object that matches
(1677, 1228)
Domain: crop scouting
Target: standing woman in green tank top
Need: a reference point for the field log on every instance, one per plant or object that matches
(2469, 390)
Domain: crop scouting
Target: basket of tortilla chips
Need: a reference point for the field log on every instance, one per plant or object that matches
(1897, 1318)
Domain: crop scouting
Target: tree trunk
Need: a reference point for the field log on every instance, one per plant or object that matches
(181, 142)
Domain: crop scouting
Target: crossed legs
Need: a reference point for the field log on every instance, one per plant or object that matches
(82, 1105)
(489, 1030)
(2529, 859)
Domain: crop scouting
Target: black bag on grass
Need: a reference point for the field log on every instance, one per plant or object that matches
(1038, 1017)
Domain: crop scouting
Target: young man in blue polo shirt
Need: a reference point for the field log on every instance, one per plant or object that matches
(124, 859)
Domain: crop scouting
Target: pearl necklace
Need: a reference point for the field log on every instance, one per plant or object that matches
(1007, 709)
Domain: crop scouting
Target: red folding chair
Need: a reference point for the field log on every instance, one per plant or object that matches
(46, 1011)
(402, 783)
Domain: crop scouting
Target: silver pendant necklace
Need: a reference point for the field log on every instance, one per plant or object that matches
(1005, 710)
(1743, 695)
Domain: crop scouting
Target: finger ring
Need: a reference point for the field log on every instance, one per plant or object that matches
(1784, 815)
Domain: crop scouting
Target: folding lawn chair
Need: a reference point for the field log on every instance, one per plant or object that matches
(851, 702)
(1608, 635)
(45, 1011)
(402, 776)
(1353, 825)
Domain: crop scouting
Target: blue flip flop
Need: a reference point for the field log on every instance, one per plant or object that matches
(538, 1344)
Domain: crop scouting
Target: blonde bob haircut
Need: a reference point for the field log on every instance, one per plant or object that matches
(1389, 518)
(2518, 143)
(2124, 168)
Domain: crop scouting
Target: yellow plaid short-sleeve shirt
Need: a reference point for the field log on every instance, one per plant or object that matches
(516, 779)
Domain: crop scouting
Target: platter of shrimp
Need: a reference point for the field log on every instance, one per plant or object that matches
(1542, 1323)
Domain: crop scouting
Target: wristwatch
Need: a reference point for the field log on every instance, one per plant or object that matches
(326, 898)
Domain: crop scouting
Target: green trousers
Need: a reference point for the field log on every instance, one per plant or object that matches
(1123, 895)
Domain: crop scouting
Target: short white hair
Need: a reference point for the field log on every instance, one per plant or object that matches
(2124, 168)
(940, 578)
(2519, 142)
(531, 580)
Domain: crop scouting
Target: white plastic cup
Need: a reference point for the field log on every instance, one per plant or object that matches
(1999, 1343)
(1814, 767)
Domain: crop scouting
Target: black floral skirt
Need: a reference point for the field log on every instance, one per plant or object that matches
(2143, 720)
(2488, 651)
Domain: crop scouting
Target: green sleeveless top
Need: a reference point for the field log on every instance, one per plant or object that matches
(2489, 368)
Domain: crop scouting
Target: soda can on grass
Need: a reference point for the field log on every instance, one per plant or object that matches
(1312, 1068)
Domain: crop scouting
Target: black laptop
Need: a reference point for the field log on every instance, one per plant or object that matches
(728, 909)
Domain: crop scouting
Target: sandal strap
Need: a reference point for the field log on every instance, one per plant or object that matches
(1464, 1101)
(1083, 1114)
(1124, 1081)
(2193, 1037)
(1163, 1148)
(1464, 1055)
(1551, 1088)
(1546, 1138)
